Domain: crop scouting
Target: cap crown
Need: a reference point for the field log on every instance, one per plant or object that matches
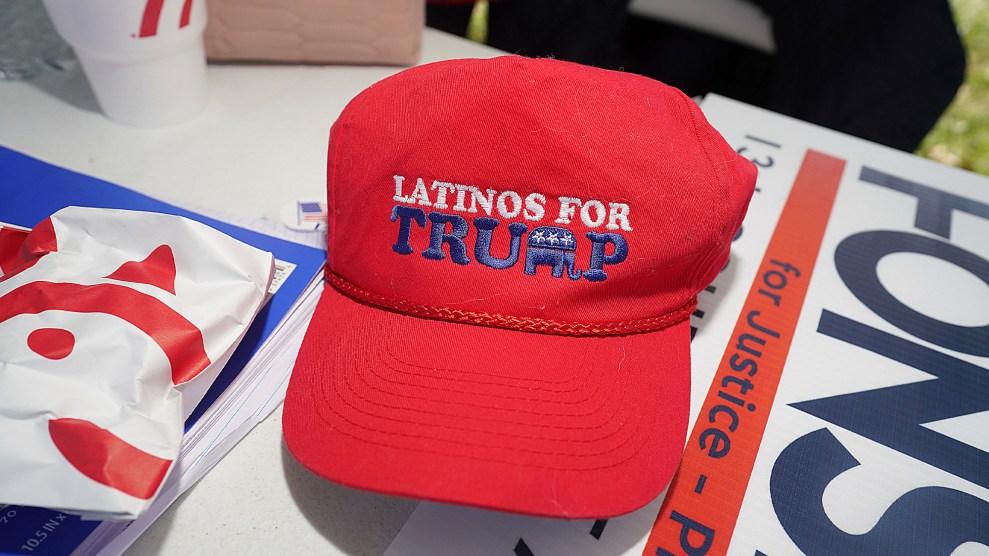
(531, 188)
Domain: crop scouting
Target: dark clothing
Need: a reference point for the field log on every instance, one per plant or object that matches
(883, 70)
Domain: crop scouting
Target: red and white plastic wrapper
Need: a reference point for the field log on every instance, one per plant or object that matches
(113, 324)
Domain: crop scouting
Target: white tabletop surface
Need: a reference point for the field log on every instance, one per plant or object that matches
(260, 143)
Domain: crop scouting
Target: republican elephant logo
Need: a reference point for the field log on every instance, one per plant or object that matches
(554, 247)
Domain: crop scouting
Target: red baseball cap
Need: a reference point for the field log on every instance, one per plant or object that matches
(514, 250)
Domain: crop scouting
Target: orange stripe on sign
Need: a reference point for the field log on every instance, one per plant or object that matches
(701, 507)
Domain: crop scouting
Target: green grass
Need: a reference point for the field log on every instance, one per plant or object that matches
(477, 27)
(961, 136)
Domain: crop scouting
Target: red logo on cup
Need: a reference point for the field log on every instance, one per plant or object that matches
(152, 16)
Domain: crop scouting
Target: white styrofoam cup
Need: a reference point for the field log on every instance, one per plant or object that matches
(144, 59)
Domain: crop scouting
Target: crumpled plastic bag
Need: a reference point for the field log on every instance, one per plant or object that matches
(113, 325)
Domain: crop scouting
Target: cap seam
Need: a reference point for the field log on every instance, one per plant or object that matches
(691, 106)
(603, 453)
(332, 189)
(477, 373)
(474, 419)
(588, 396)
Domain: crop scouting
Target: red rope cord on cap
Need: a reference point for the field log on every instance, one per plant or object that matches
(526, 324)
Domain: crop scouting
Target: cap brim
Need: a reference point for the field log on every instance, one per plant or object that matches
(558, 426)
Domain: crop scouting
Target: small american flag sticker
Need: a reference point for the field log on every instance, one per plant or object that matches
(311, 211)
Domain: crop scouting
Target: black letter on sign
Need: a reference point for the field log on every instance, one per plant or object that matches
(686, 526)
(927, 520)
(856, 259)
(934, 206)
(960, 389)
